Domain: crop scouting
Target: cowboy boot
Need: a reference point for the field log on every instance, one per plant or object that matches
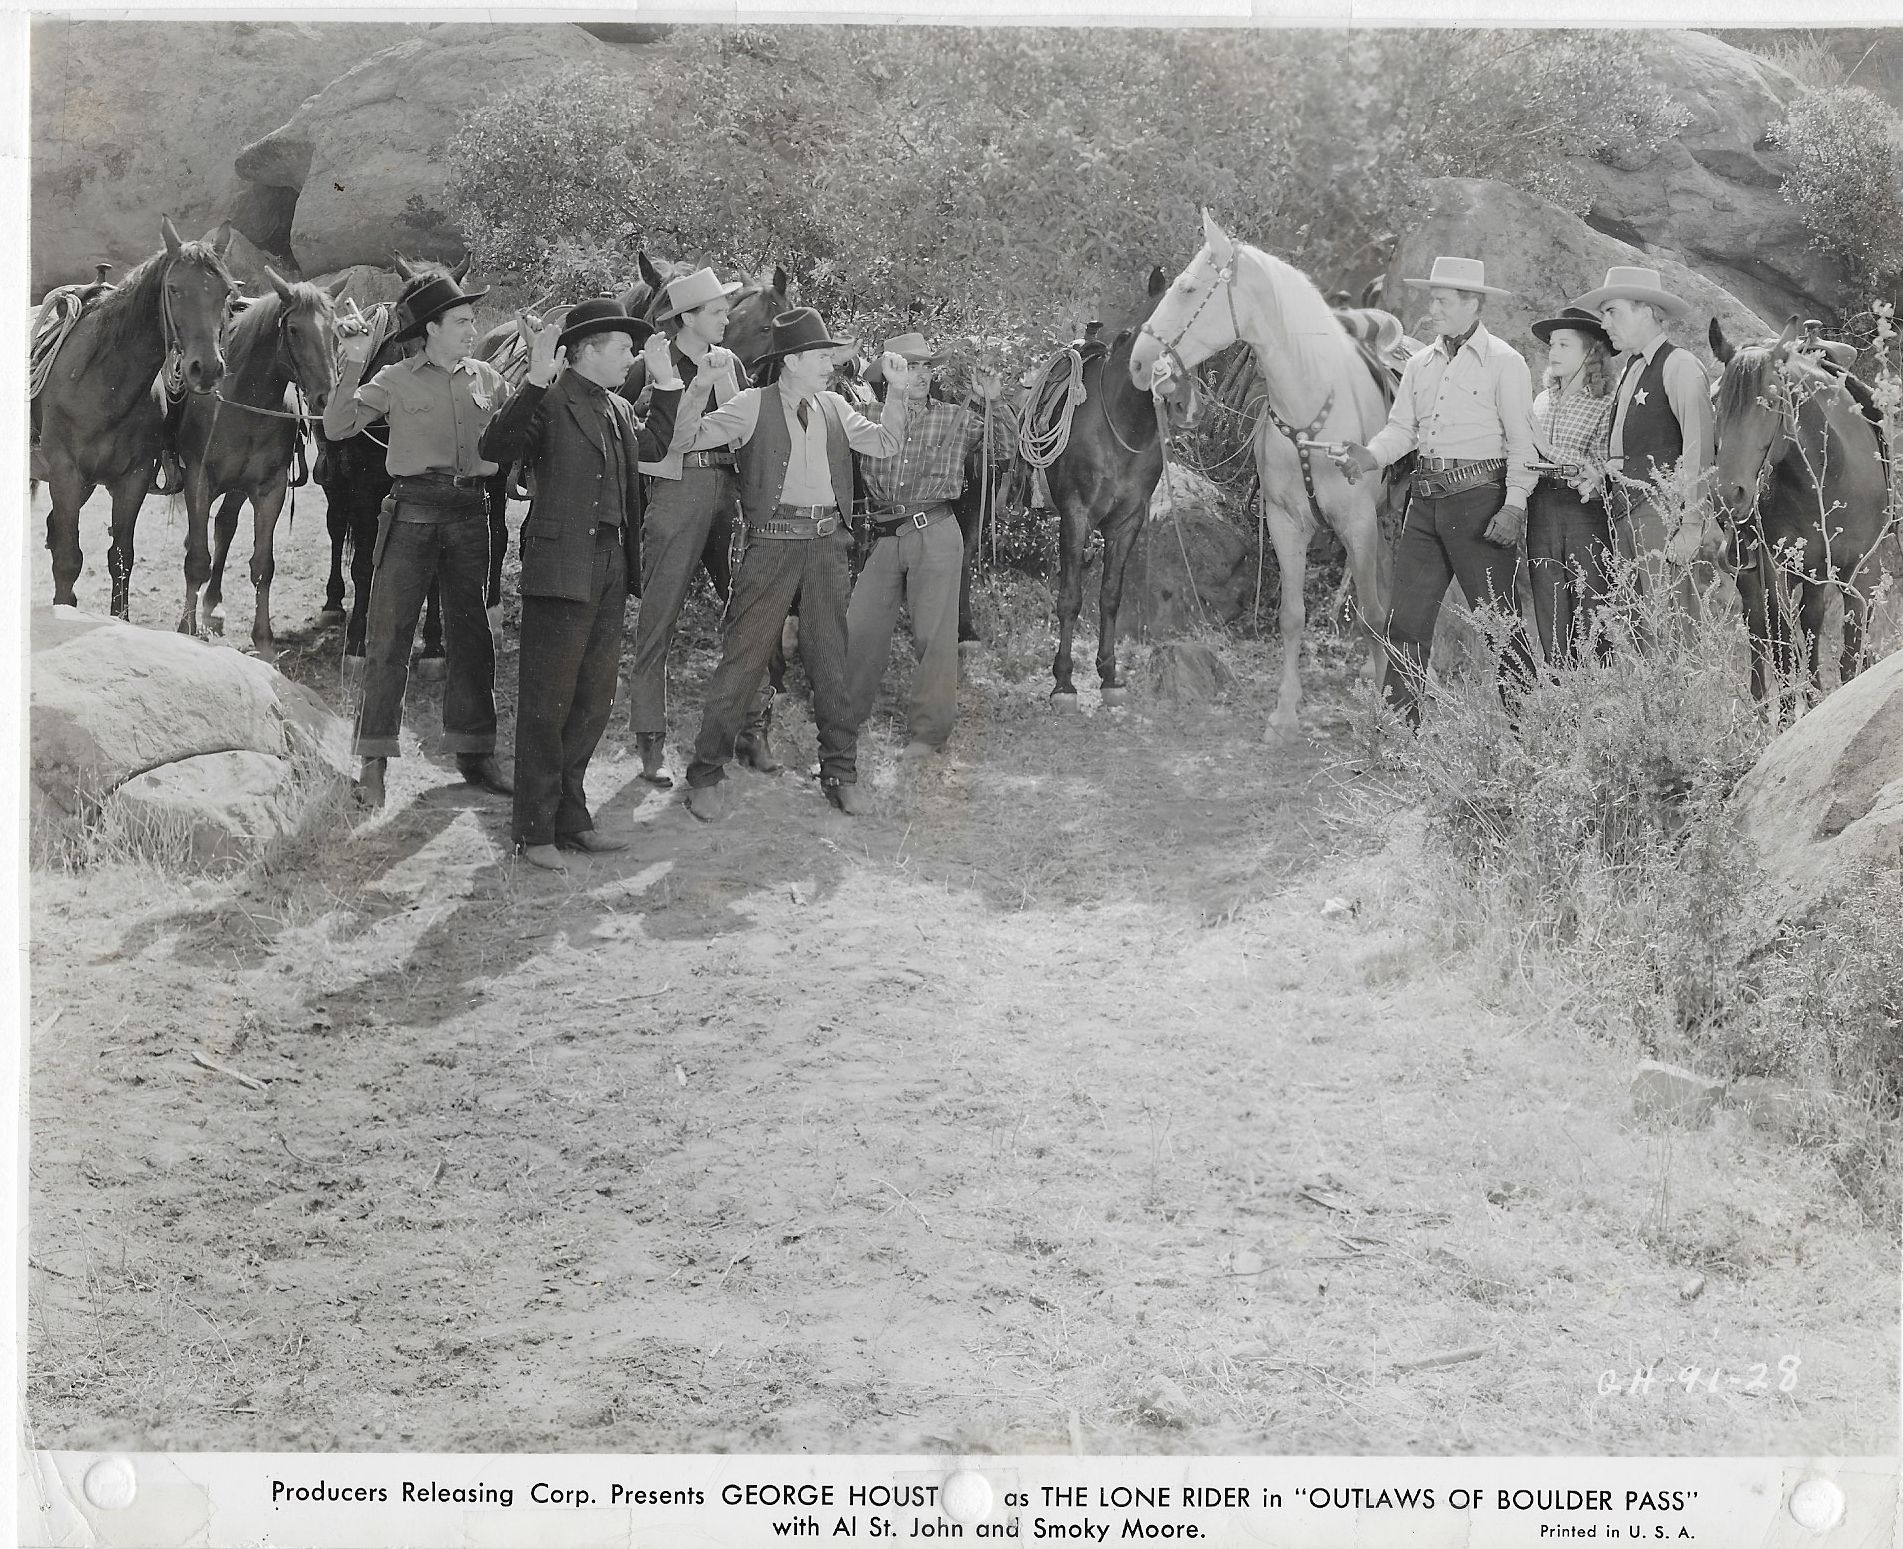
(751, 747)
(652, 746)
(847, 797)
(370, 784)
(482, 771)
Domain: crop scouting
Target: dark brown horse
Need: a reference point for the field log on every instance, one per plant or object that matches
(1803, 483)
(99, 420)
(1103, 480)
(238, 443)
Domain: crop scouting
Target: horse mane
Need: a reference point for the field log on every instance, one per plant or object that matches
(133, 305)
(1303, 316)
(1743, 383)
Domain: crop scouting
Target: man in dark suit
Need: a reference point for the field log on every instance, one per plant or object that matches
(580, 560)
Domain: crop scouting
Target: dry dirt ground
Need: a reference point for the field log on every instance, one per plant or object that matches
(1041, 1110)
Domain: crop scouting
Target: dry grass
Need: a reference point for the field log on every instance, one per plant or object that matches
(1040, 1110)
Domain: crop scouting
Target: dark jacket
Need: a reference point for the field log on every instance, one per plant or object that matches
(554, 437)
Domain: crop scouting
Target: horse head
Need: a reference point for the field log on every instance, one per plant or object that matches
(750, 323)
(196, 291)
(1188, 324)
(307, 332)
(1753, 410)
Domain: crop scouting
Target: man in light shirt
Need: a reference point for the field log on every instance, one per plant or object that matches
(795, 444)
(1465, 404)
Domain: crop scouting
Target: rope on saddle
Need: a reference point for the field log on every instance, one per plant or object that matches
(59, 313)
(1056, 391)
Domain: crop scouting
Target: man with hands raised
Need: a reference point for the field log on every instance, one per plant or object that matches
(580, 560)
(796, 442)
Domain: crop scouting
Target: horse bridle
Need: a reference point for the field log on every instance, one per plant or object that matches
(1225, 282)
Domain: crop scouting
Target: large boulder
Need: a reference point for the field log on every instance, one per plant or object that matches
(363, 159)
(1186, 520)
(155, 731)
(133, 119)
(1709, 197)
(1825, 800)
(1546, 257)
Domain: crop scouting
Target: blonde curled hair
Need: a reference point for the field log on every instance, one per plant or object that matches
(1595, 376)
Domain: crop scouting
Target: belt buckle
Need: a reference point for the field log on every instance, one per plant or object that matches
(825, 525)
(920, 520)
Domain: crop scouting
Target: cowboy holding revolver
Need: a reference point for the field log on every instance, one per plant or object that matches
(1465, 403)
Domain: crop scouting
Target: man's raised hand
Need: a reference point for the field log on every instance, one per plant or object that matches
(546, 359)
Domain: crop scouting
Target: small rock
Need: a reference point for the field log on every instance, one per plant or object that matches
(1340, 908)
(1506, 1193)
(1248, 1263)
(1691, 1288)
(1767, 1103)
(1673, 1094)
(1164, 1400)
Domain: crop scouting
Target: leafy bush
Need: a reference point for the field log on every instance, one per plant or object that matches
(1023, 180)
(1595, 848)
(543, 167)
(1846, 150)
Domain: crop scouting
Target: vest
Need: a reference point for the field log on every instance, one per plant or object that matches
(764, 458)
(726, 384)
(1651, 432)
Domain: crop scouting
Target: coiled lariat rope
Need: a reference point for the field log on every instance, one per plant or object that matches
(56, 318)
(1045, 430)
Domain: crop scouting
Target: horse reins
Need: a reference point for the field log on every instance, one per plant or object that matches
(1225, 282)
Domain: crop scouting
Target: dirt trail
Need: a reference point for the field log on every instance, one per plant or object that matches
(1040, 1109)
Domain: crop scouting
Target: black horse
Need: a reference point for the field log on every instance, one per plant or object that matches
(1103, 480)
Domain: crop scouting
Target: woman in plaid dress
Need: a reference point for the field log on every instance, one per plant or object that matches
(1569, 534)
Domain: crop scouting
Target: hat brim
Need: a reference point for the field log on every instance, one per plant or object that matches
(729, 290)
(1472, 290)
(1593, 300)
(414, 329)
(1546, 327)
(837, 346)
(633, 327)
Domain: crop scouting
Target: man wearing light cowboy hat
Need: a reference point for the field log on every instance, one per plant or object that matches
(918, 551)
(580, 441)
(1465, 403)
(434, 525)
(795, 466)
(688, 493)
(1661, 421)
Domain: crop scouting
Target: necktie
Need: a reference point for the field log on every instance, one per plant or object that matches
(804, 415)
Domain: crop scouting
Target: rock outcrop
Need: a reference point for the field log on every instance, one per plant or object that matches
(1825, 800)
(1709, 197)
(135, 119)
(1546, 257)
(169, 736)
(1222, 561)
(360, 165)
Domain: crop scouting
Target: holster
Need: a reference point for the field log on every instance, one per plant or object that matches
(386, 519)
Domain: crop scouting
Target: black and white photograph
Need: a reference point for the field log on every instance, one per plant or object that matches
(978, 740)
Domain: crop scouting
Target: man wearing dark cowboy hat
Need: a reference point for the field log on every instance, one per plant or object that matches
(918, 552)
(688, 492)
(1662, 431)
(1466, 404)
(435, 525)
(580, 559)
(795, 464)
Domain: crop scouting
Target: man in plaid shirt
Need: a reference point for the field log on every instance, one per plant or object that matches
(918, 554)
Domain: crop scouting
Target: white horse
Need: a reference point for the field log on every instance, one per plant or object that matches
(1319, 386)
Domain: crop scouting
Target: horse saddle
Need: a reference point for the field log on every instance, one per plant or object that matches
(1382, 343)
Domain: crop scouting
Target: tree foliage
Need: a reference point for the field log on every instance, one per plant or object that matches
(1846, 152)
(1022, 180)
